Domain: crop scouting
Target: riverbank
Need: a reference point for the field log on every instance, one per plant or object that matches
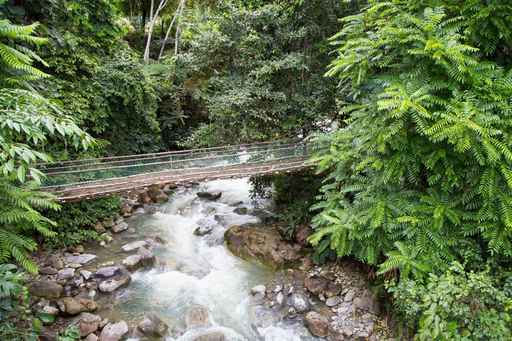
(163, 270)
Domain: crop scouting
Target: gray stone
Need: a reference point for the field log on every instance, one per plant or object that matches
(203, 230)
(241, 210)
(86, 274)
(88, 323)
(50, 310)
(113, 284)
(56, 262)
(133, 262)
(80, 259)
(299, 302)
(114, 331)
(280, 298)
(134, 245)
(349, 296)
(332, 301)
(211, 336)
(153, 326)
(259, 289)
(66, 273)
(107, 271)
(47, 289)
(122, 226)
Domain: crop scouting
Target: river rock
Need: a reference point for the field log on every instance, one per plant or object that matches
(241, 210)
(209, 195)
(133, 262)
(86, 274)
(259, 291)
(316, 284)
(66, 273)
(211, 336)
(120, 227)
(47, 270)
(317, 324)
(367, 302)
(80, 259)
(332, 301)
(299, 302)
(46, 289)
(262, 244)
(196, 317)
(99, 227)
(112, 284)
(114, 331)
(126, 209)
(88, 323)
(153, 326)
(107, 271)
(203, 230)
(56, 262)
(91, 337)
(134, 245)
(75, 306)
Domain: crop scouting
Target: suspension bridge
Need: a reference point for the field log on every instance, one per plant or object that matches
(85, 179)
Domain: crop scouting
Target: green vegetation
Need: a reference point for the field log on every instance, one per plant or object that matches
(413, 98)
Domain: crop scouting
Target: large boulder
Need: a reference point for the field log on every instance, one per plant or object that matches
(114, 331)
(107, 271)
(261, 243)
(156, 194)
(153, 326)
(317, 324)
(134, 245)
(47, 289)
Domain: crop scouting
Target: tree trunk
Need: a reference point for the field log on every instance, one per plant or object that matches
(153, 17)
(166, 39)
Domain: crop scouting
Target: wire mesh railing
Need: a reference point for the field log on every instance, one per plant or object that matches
(96, 171)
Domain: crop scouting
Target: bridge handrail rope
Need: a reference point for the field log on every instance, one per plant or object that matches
(109, 174)
(162, 154)
(52, 170)
(170, 161)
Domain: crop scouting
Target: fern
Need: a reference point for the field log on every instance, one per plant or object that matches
(423, 165)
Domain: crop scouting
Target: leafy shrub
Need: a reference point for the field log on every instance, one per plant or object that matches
(457, 305)
(14, 318)
(75, 221)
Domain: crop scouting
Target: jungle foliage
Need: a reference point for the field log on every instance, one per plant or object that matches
(420, 175)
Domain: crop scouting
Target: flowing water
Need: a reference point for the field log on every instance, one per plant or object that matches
(195, 270)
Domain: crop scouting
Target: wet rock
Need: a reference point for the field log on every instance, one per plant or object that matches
(75, 306)
(259, 291)
(114, 331)
(88, 323)
(108, 223)
(118, 228)
(144, 198)
(209, 195)
(153, 326)
(316, 285)
(148, 257)
(280, 298)
(367, 302)
(197, 316)
(80, 259)
(253, 242)
(48, 270)
(46, 289)
(349, 296)
(299, 302)
(317, 324)
(241, 210)
(50, 310)
(133, 262)
(107, 271)
(203, 230)
(119, 281)
(211, 336)
(66, 273)
(332, 289)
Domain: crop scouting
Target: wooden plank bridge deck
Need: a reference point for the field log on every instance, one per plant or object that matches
(80, 180)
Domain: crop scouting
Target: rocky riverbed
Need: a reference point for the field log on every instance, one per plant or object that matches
(203, 264)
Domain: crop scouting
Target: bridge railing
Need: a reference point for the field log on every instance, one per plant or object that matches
(71, 173)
